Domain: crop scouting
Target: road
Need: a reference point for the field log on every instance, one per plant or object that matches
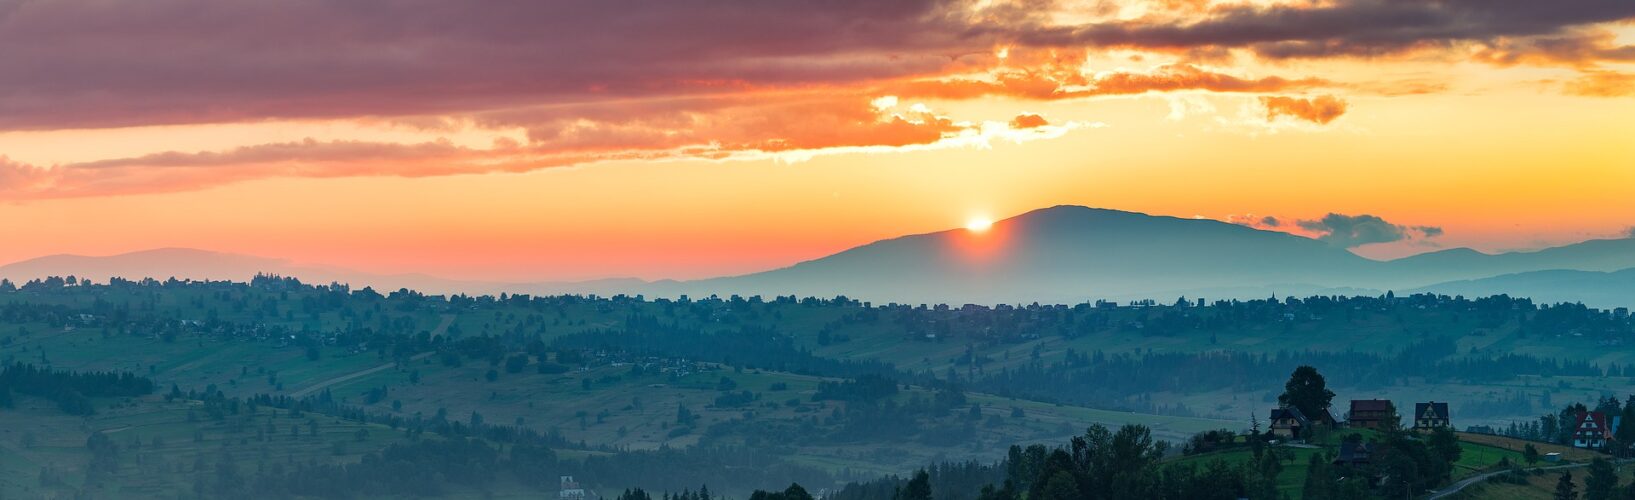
(1457, 487)
(442, 327)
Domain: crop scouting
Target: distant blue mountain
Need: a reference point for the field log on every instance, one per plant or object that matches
(1073, 253)
(1464, 263)
(1593, 288)
(1064, 254)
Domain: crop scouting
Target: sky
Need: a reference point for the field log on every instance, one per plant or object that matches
(567, 140)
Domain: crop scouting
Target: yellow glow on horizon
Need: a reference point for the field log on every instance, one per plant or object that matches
(1497, 159)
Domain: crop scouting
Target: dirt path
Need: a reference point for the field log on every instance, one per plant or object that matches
(441, 329)
(442, 326)
(202, 360)
(1459, 486)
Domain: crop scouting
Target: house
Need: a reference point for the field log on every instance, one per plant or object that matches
(1288, 422)
(1372, 413)
(1592, 430)
(570, 490)
(1324, 417)
(1353, 453)
(1430, 415)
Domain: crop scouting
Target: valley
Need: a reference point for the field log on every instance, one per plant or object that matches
(613, 376)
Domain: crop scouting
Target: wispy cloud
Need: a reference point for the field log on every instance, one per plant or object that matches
(792, 133)
(1320, 109)
(589, 80)
(1348, 231)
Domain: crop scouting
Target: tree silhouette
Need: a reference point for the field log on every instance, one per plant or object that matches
(1602, 484)
(1306, 391)
(1565, 490)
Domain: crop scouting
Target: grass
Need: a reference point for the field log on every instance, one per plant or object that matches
(1291, 479)
(619, 410)
(1514, 445)
(1540, 486)
(1485, 456)
(160, 443)
(639, 412)
(1482, 454)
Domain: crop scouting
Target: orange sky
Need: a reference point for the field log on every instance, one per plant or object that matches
(740, 154)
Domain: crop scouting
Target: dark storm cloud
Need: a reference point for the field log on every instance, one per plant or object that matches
(84, 63)
(90, 63)
(1354, 27)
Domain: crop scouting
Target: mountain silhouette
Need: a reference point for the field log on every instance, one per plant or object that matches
(161, 263)
(1464, 263)
(1070, 254)
(199, 265)
(1062, 254)
(1592, 288)
(1067, 253)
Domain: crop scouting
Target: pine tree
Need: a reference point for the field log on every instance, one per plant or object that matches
(1265, 484)
(1624, 435)
(1565, 490)
(1320, 483)
(918, 488)
(1602, 484)
(795, 492)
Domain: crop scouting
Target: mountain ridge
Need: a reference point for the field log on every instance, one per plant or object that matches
(1064, 254)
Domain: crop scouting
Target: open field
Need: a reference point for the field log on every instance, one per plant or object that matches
(1540, 486)
(244, 340)
(1510, 444)
(619, 409)
(1479, 453)
(163, 445)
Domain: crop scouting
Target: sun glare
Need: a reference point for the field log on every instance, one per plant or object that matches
(978, 224)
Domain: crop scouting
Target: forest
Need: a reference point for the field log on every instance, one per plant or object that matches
(671, 394)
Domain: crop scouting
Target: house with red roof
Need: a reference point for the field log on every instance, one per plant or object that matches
(1593, 430)
(1372, 414)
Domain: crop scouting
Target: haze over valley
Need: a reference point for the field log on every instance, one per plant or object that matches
(1063, 255)
(817, 250)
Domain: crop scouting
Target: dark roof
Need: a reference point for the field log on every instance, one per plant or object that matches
(1289, 412)
(1353, 452)
(1440, 409)
(1324, 416)
(1372, 405)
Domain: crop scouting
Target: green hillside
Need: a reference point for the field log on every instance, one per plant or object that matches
(626, 374)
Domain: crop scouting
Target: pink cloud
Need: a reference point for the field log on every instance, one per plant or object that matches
(594, 79)
(1319, 110)
(726, 130)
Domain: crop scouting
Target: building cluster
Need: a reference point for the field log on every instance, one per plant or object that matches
(1290, 422)
(1364, 414)
(1591, 429)
(673, 367)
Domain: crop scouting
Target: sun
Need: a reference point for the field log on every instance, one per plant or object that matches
(978, 224)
